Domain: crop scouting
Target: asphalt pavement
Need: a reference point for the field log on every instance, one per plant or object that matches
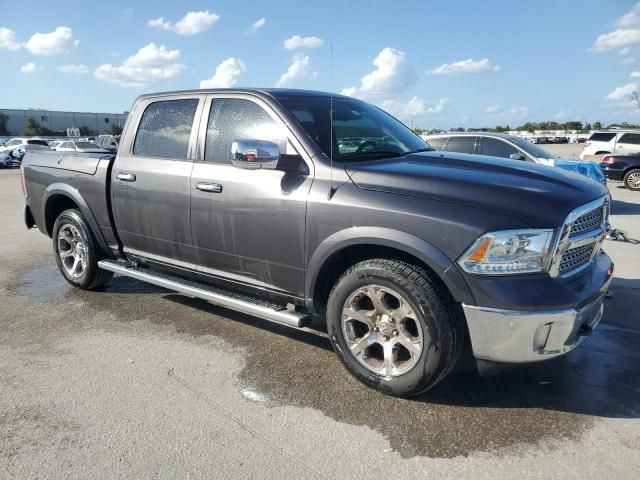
(138, 382)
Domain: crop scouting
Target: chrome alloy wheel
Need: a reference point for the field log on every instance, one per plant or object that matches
(382, 331)
(72, 251)
(633, 180)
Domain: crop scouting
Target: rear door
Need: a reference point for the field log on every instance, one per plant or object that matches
(248, 225)
(628, 143)
(151, 186)
(496, 147)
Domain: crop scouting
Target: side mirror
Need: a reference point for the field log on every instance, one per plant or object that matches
(255, 154)
(516, 156)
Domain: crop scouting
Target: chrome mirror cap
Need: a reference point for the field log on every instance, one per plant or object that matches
(255, 154)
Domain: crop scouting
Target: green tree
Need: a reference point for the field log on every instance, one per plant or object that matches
(500, 129)
(33, 127)
(459, 129)
(117, 130)
(572, 126)
(85, 131)
(597, 126)
(3, 124)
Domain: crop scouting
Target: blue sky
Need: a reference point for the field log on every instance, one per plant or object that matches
(440, 64)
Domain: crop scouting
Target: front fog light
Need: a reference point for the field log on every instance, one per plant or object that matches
(508, 252)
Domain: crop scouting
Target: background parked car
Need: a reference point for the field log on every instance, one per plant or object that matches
(78, 146)
(14, 143)
(509, 146)
(622, 142)
(20, 151)
(108, 142)
(623, 167)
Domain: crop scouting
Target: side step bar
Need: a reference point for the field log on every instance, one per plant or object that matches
(231, 300)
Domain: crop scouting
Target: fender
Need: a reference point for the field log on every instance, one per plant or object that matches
(386, 237)
(73, 194)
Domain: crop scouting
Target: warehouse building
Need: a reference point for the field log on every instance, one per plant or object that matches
(98, 123)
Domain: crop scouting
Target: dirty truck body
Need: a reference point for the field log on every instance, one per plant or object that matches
(407, 256)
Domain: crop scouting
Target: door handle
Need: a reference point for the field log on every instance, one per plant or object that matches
(126, 177)
(209, 187)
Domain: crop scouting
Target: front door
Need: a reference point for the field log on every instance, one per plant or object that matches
(151, 175)
(247, 225)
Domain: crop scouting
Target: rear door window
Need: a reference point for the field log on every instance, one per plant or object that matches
(165, 129)
(495, 147)
(630, 138)
(602, 136)
(461, 144)
(437, 143)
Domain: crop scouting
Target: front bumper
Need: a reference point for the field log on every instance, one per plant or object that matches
(523, 336)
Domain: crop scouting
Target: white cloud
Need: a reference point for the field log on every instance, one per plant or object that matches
(300, 67)
(150, 65)
(74, 69)
(627, 61)
(623, 93)
(30, 67)
(191, 24)
(464, 67)
(492, 108)
(258, 24)
(59, 41)
(416, 107)
(226, 75)
(518, 112)
(393, 74)
(635, 74)
(297, 42)
(8, 39)
(617, 38)
(630, 19)
(624, 51)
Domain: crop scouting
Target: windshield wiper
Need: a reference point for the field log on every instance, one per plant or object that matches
(384, 153)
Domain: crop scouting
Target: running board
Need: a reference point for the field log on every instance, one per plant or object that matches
(231, 300)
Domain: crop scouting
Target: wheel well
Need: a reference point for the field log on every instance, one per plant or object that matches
(340, 261)
(54, 207)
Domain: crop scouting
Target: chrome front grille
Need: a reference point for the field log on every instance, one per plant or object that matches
(589, 222)
(580, 237)
(575, 257)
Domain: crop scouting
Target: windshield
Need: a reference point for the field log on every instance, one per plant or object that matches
(531, 148)
(360, 131)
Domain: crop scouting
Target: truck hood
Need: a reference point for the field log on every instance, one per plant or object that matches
(534, 194)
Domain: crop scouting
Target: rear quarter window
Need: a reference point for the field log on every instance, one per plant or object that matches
(630, 138)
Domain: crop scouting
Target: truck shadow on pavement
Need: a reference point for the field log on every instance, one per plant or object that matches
(554, 400)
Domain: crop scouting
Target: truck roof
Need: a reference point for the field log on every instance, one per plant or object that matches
(273, 92)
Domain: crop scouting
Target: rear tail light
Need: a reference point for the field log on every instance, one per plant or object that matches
(23, 185)
(607, 159)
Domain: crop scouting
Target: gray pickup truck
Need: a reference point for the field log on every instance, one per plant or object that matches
(321, 211)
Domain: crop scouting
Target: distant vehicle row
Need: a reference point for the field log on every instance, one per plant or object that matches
(509, 146)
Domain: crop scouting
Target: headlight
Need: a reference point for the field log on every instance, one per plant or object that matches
(508, 252)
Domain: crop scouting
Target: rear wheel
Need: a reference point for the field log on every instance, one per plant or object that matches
(632, 179)
(77, 252)
(393, 326)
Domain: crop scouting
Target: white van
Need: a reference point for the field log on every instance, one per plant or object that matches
(621, 142)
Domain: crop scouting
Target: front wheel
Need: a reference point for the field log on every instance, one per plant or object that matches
(393, 326)
(77, 252)
(632, 179)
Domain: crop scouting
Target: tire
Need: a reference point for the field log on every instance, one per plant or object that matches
(632, 179)
(74, 242)
(423, 315)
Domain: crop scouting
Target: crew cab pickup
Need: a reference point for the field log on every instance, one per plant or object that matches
(323, 212)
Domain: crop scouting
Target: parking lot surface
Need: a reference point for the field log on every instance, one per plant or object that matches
(135, 382)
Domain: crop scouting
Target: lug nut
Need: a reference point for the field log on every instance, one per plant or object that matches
(395, 333)
(375, 329)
